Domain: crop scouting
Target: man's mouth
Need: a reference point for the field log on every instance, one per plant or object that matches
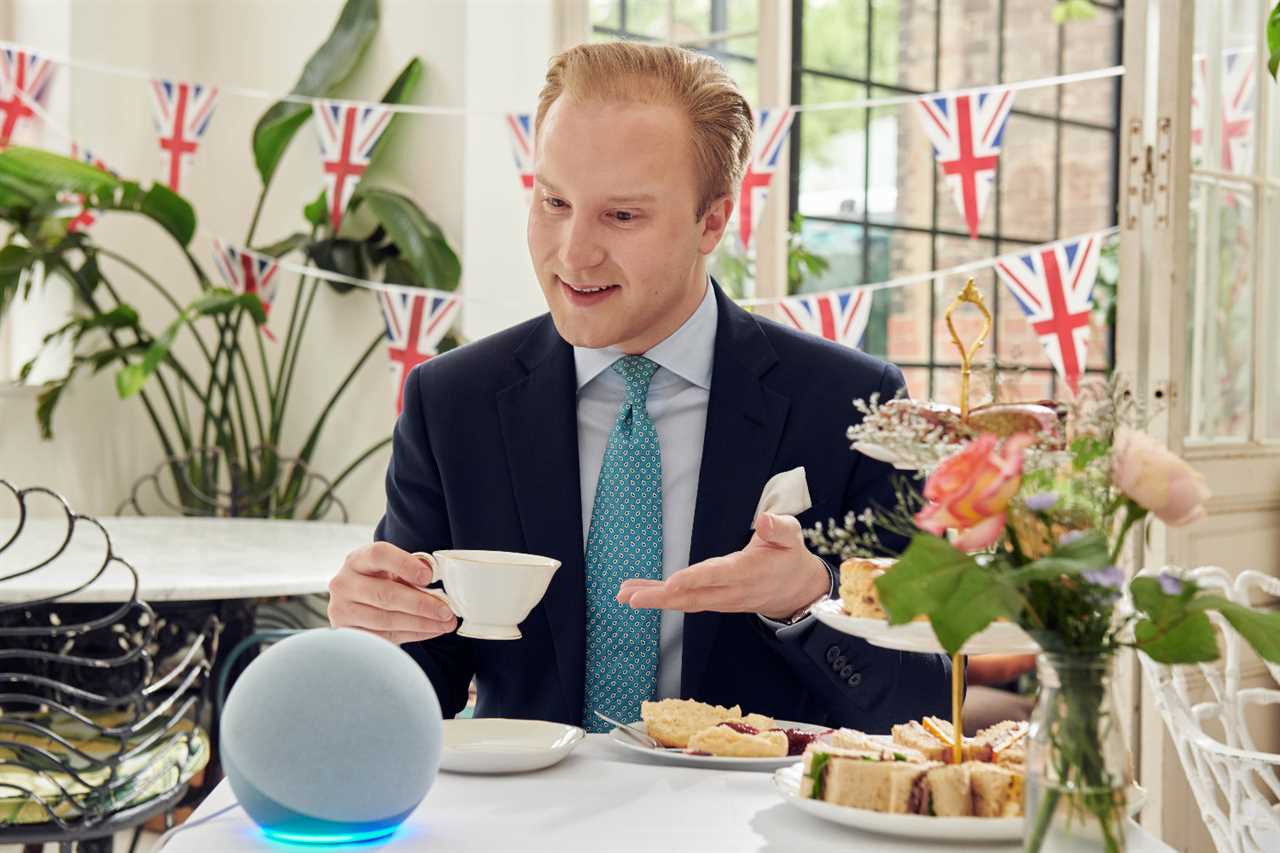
(584, 287)
(585, 294)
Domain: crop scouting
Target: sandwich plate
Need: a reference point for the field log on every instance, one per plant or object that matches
(711, 762)
(787, 781)
(997, 638)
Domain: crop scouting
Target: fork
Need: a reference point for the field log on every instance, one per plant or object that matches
(635, 734)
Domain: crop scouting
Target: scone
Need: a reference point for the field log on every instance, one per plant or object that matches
(723, 740)
(671, 722)
(759, 721)
(858, 594)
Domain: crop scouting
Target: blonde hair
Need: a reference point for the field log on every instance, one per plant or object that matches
(622, 71)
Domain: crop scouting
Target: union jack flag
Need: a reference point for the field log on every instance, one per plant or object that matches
(1054, 287)
(25, 77)
(248, 272)
(182, 112)
(416, 323)
(348, 135)
(1237, 104)
(520, 126)
(966, 132)
(86, 217)
(840, 317)
(772, 127)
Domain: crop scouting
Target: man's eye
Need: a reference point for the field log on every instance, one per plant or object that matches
(624, 215)
(556, 203)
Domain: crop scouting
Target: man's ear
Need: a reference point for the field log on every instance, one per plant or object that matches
(714, 222)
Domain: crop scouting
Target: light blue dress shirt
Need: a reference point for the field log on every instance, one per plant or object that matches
(677, 405)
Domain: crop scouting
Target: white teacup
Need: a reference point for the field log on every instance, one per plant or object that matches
(492, 592)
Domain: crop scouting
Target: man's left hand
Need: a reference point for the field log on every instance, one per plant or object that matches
(774, 576)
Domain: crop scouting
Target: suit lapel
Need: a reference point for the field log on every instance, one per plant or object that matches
(744, 425)
(539, 419)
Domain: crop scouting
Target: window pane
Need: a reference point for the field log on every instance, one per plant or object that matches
(907, 320)
(916, 45)
(1272, 362)
(902, 167)
(1027, 180)
(1027, 23)
(841, 245)
(969, 44)
(1088, 175)
(832, 151)
(1225, 87)
(835, 37)
(953, 251)
(1088, 45)
(605, 13)
(1220, 321)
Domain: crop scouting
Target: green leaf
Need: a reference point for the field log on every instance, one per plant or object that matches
(171, 211)
(53, 173)
(960, 596)
(1273, 42)
(317, 212)
(15, 258)
(401, 92)
(131, 378)
(223, 301)
(1187, 639)
(47, 401)
(332, 63)
(1086, 553)
(295, 240)
(421, 242)
(1261, 630)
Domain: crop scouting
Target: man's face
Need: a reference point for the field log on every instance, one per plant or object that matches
(612, 232)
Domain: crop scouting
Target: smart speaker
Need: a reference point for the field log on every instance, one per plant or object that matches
(331, 735)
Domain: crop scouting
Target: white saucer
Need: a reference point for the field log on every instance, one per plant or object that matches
(681, 758)
(494, 745)
(997, 638)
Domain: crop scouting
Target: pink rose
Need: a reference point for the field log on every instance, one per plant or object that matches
(1145, 470)
(971, 490)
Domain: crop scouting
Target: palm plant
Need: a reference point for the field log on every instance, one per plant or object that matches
(228, 401)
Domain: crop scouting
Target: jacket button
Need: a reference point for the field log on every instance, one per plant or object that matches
(832, 653)
(846, 671)
(855, 679)
(839, 663)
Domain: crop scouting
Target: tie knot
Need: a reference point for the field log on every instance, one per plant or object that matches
(636, 371)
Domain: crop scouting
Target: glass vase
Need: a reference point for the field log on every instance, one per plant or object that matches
(1078, 766)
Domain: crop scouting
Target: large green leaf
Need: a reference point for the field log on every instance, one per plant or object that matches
(400, 92)
(1170, 629)
(961, 597)
(421, 242)
(1261, 630)
(332, 63)
(53, 173)
(173, 212)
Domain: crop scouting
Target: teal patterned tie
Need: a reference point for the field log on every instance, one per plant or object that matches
(625, 541)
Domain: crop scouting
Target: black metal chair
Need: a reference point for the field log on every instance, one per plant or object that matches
(100, 703)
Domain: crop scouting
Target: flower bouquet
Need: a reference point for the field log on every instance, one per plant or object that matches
(1024, 515)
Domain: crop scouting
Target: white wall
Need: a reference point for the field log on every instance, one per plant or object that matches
(486, 55)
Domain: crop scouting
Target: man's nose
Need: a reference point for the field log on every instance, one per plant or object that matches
(581, 249)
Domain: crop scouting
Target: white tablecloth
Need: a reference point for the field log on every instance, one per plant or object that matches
(598, 799)
(179, 559)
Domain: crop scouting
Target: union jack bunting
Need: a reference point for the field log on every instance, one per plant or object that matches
(25, 77)
(772, 127)
(348, 135)
(839, 317)
(86, 217)
(248, 272)
(520, 126)
(966, 132)
(1054, 287)
(1236, 107)
(182, 112)
(416, 323)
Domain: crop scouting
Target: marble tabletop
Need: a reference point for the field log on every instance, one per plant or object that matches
(177, 559)
(599, 798)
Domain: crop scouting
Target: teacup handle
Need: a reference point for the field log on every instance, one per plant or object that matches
(430, 560)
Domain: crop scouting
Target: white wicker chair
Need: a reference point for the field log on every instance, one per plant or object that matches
(1236, 785)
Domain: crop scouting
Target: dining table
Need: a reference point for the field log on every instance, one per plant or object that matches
(601, 797)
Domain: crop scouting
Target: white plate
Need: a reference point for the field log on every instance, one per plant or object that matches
(716, 762)
(494, 745)
(997, 638)
(787, 781)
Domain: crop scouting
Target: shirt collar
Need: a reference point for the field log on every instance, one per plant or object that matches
(686, 352)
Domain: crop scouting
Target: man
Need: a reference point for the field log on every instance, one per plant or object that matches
(629, 434)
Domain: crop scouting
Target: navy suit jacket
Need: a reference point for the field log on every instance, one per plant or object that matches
(485, 455)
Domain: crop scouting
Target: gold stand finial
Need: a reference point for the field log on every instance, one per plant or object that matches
(973, 296)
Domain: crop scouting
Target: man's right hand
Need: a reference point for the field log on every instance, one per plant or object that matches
(378, 591)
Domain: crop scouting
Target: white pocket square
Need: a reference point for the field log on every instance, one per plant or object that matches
(786, 493)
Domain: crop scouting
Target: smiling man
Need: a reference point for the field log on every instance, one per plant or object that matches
(628, 433)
